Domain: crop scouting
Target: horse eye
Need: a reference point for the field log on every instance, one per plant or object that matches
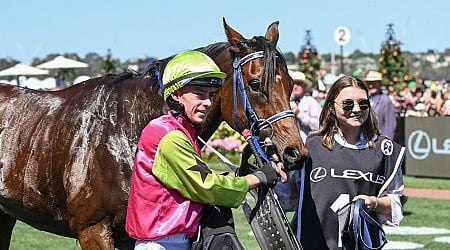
(254, 84)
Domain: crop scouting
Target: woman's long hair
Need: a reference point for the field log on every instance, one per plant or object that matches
(328, 121)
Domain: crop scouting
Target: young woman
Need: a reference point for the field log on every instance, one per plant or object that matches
(349, 159)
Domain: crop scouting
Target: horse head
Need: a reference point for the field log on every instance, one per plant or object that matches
(256, 93)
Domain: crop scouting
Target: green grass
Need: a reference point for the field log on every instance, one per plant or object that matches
(425, 213)
(422, 182)
(418, 212)
(26, 237)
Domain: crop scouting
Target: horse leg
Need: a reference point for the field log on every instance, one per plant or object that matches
(6, 227)
(98, 236)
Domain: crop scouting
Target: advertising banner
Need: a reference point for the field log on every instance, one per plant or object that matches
(427, 141)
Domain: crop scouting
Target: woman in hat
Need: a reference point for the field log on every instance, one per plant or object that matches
(170, 182)
(349, 159)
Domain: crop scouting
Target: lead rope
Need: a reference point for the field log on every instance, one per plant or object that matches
(222, 157)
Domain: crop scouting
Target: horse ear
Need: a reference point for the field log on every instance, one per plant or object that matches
(272, 33)
(233, 37)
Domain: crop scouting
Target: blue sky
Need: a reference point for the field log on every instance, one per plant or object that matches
(135, 28)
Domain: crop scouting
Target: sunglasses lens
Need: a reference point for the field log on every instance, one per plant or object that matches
(347, 105)
(364, 104)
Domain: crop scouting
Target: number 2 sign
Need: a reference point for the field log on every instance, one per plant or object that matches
(342, 35)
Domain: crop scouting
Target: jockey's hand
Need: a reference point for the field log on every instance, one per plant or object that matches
(267, 175)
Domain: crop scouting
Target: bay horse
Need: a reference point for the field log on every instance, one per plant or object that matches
(66, 156)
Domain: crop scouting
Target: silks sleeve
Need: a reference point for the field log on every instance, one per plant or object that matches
(178, 167)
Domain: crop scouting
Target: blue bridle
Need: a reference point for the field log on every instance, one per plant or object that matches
(255, 124)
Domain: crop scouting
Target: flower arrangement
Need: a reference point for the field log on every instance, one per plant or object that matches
(226, 141)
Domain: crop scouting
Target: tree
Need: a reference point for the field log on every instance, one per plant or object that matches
(309, 60)
(109, 64)
(289, 57)
(393, 65)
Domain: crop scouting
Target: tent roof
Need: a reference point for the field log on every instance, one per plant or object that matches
(22, 70)
(61, 62)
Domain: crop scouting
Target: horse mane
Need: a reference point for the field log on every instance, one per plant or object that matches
(272, 56)
(213, 50)
(149, 74)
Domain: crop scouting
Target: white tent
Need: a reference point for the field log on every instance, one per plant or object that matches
(60, 62)
(22, 70)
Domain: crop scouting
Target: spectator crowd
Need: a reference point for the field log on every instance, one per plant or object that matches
(420, 98)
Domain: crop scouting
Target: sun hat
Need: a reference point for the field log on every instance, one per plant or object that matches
(411, 84)
(191, 67)
(298, 76)
(373, 76)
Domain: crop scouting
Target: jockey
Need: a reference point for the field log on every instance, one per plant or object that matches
(170, 183)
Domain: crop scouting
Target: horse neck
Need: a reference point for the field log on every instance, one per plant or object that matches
(212, 122)
(215, 117)
(141, 103)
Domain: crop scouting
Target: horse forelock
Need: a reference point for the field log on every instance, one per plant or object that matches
(272, 57)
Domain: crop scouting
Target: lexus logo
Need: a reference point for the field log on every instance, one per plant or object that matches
(419, 144)
(318, 174)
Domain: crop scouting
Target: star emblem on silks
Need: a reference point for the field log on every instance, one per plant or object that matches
(201, 168)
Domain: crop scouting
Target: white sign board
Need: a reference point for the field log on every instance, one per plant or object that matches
(342, 35)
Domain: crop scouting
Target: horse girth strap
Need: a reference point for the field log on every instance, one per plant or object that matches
(255, 124)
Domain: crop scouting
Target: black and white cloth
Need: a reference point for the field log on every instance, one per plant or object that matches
(330, 180)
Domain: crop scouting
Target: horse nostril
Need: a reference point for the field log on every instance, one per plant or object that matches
(292, 159)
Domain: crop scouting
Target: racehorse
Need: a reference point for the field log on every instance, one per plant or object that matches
(66, 156)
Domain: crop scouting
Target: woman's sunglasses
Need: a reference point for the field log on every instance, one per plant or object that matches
(348, 105)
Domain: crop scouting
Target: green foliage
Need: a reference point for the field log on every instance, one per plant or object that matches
(393, 65)
(109, 64)
(309, 60)
(309, 63)
(289, 57)
(68, 75)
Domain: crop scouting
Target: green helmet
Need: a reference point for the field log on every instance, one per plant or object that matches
(191, 67)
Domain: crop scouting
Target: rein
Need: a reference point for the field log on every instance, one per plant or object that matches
(360, 220)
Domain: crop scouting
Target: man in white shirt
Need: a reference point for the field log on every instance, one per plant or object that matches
(306, 108)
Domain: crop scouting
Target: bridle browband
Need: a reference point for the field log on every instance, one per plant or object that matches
(255, 124)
